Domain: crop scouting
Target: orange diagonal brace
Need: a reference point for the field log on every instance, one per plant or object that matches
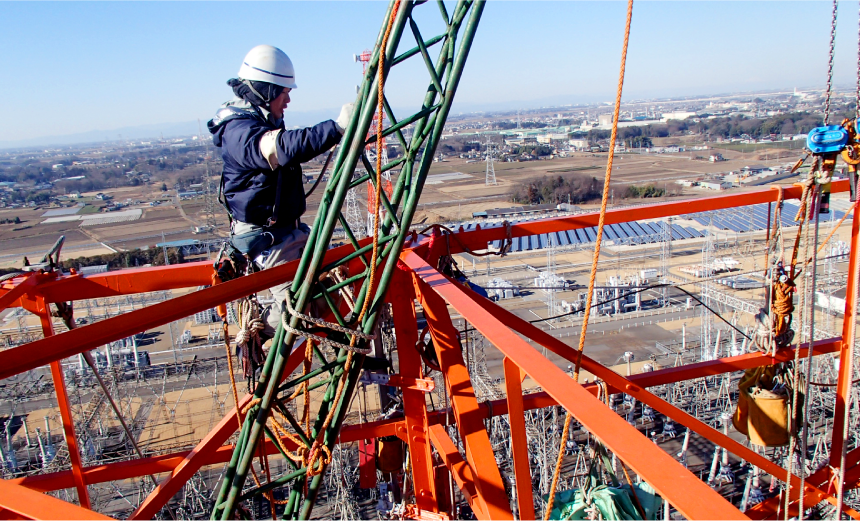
(821, 479)
(414, 404)
(625, 385)
(41, 352)
(17, 290)
(65, 409)
(201, 453)
(693, 498)
(519, 441)
(476, 441)
(29, 504)
(460, 470)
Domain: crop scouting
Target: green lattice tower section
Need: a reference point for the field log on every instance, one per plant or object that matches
(426, 125)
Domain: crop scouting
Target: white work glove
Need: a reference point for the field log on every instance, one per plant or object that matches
(345, 115)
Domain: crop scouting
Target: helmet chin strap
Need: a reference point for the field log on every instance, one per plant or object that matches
(250, 86)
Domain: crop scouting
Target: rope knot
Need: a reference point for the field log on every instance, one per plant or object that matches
(318, 453)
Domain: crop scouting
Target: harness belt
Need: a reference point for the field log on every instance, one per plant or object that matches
(260, 240)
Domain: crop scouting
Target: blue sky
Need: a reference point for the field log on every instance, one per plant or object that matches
(73, 67)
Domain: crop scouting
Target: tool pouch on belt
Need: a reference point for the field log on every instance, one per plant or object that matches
(261, 240)
(253, 243)
(230, 263)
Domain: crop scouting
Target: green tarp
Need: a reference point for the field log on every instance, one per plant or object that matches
(599, 500)
(611, 502)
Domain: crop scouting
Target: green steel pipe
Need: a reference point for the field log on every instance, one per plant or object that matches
(340, 262)
(332, 307)
(231, 470)
(234, 459)
(415, 50)
(427, 158)
(273, 366)
(403, 123)
(358, 181)
(383, 197)
(335, 196)
(444, 12)
(262, 489)
(424, 54)
(330, 435)
(418, 138)
(393, 121)
(291, 502)
(391, 260)
(298, 428)
(350, 236)
(311, 374)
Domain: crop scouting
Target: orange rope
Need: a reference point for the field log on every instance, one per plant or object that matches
(603, 203)
(605, 200)
(232, 378)
(264, 463)
(315, 453)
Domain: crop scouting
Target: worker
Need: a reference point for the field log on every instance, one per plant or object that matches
(782, 306)
(261, 182)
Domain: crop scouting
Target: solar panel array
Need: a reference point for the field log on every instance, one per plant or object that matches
(752, 218)
(633, 232)
(742, 219)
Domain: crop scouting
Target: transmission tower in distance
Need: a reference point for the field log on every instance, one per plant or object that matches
(665, 256)
(707, 319)
(208, 195)
(491, 169)
(353, 215)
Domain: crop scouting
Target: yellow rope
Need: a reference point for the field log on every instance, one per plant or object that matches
(605, 200)
(596, 257)
(250, 404)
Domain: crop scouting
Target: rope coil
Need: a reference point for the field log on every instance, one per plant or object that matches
(248, 337)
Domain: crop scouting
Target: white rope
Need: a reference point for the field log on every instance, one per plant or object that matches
(322, 323)
(250, 324)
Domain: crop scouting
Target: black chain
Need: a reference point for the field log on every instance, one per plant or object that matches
(830, 64)
(857, 101)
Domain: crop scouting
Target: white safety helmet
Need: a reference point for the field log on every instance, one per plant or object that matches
(269, 64)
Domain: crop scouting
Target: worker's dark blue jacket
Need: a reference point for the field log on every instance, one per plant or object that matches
(248, 183)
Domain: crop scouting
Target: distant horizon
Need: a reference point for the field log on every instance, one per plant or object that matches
(307, 118)
(83, 67)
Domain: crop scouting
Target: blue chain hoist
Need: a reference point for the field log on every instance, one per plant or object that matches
(827, 143)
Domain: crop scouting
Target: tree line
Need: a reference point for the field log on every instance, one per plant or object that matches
(576, 188)
(736, 126)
